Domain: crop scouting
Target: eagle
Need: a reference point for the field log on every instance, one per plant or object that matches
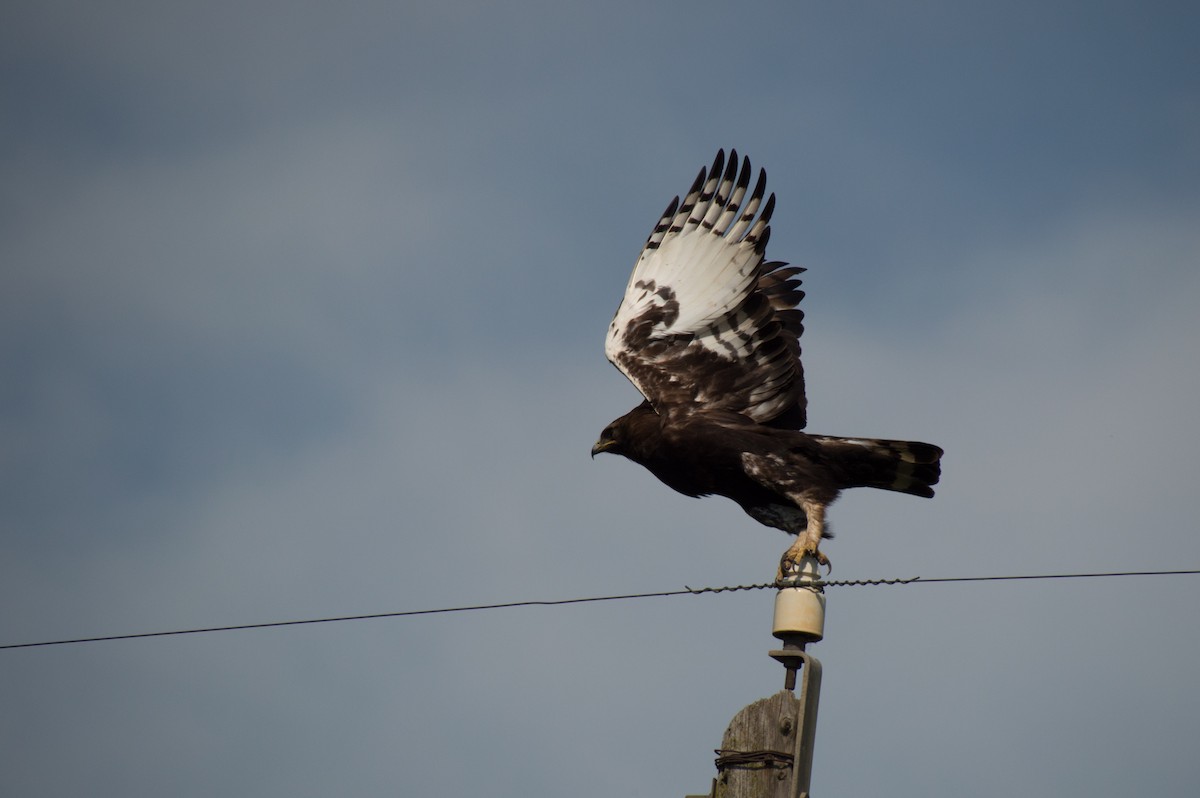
(709, 333)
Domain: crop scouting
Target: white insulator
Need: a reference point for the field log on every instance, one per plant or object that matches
(800, 609)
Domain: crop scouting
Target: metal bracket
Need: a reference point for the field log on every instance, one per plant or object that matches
(794, 658)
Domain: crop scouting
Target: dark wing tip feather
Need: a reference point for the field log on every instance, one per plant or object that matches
(760, 233)
(760, 245)
(760, 187)
(768, 210)
(718, 165)
(664, 224)
(689, 202)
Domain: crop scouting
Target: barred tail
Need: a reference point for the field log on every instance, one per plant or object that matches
(903, 466)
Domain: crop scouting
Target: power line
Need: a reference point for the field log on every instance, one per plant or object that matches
(917, 580)
(920, 580)
(687, 591)
(372, 616)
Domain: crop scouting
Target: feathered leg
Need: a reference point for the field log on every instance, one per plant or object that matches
(807, 541)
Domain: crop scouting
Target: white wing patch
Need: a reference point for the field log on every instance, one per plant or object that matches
(708, 274)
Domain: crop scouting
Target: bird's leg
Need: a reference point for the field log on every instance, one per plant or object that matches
(807, 541)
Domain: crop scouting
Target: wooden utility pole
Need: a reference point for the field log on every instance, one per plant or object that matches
(767, 751)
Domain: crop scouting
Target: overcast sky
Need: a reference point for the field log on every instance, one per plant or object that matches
(301, 315)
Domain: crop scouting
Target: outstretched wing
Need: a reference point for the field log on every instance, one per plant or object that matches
(706, 321)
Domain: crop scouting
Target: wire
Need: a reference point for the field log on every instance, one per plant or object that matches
(1051, 576)
(372, 616)
(915, 580)
(687, 591)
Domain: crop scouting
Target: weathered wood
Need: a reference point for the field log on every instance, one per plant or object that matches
(758, 750)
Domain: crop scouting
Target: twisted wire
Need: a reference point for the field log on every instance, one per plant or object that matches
(819, 584)
(728, 758)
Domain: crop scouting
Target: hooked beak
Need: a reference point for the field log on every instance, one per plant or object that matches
(602, 446)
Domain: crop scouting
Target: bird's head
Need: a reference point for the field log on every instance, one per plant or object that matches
(610, 439)
(630, 434)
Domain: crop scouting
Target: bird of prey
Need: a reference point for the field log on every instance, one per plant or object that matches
(708, 332)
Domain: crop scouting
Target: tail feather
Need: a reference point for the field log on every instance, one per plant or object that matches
(902, 466)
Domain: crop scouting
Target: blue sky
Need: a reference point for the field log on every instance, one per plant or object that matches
(301, 315)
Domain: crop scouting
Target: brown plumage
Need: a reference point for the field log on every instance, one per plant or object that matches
(709, 332)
